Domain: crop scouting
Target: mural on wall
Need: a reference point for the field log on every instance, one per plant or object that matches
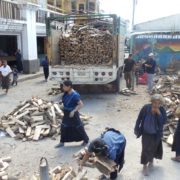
(166, 47)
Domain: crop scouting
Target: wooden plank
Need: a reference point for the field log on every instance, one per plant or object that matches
(6, 159)
(58, 109)
(170, 139)
(32, 109)
(20, 122)
(21, 109)
(10, 132)
(37, 134)
(53, 114)
(21, 130)
(28, 132)
(105, 165)
(46, 132)
(56, 170)
(37, 118)
(5, 166)
(37, 124)
(22, 114)
(3, 173)
(40, 102)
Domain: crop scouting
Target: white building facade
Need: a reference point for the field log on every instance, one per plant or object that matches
(22, 26)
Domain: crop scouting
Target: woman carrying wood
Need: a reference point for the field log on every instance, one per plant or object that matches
(5, 72)
(72, 128)
(149, 125)
(176, 143)
(110, 149)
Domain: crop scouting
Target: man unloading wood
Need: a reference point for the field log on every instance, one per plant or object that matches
(110, 145)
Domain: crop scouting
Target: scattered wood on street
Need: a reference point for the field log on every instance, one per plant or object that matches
(34, 120)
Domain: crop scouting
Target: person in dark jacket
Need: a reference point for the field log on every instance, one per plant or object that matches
(111, 145)
(149, 125)
(45, 65)
(72, 128)
(176, 142)
(19, 61)
(150, 67)
(129, 65)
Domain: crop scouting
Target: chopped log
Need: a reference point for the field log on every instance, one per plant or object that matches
(105, 165)
(22, 114)
(58, 109)
(21, 130)
(21, 109)
(68, 175)
(56, 170)
(20, 122)
(170, 139)
(37, 134)
(28, 132)
(5, 166)
(37, 118)
(6, 159)
(5, 177)
(53, 115)
(40, 102)
(3, 173)
(10, 132)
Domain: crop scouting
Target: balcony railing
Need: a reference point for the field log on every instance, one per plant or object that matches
(9, 10)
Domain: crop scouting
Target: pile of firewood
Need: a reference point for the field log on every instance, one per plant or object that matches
(168, 87)
(86, 46)
(63, 173)
(4, 164)
(33, 120)
(54, 91)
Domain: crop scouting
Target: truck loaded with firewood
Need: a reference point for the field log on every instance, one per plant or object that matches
(86, 49)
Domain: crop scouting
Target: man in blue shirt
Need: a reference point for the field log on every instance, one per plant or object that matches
(150, 66)
(111, 144)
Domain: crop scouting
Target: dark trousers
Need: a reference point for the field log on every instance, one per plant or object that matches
(46, 72)
(128, 78)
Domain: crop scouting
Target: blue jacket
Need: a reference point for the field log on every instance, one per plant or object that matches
(161, 120)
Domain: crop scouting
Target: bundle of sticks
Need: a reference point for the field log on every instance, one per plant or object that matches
(34, 119)
(86, 46)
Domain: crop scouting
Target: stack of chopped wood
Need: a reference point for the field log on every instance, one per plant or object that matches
(86, 46)
(63, 173)
(4, 164)
(33, 120)
(54, 91)
(167, 87)
(127, 92)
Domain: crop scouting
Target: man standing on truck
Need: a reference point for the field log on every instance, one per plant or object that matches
(129, 65)
(150, 67)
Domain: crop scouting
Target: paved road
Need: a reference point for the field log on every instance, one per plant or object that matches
(107, 111)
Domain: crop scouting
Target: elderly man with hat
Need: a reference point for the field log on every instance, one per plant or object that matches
(150, 66)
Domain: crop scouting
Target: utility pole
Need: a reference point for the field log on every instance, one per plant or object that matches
(133, 15)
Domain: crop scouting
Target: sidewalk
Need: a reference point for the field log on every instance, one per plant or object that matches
(25, 77)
